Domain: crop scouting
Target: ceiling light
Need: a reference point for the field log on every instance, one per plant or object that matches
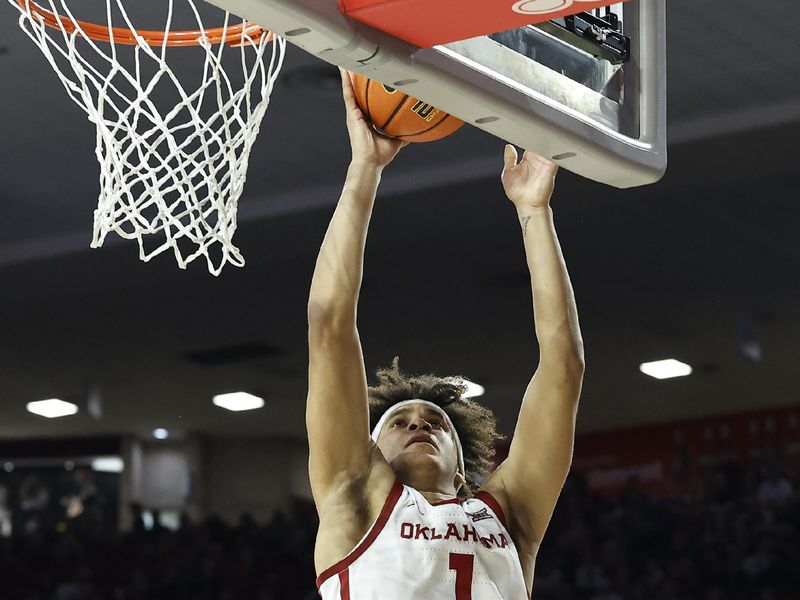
(108, 464)
(52, 408)
(238, 401)
(160, 434)
(665, 369)
(473, 389)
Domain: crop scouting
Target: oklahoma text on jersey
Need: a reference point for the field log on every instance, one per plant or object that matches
(463, 533)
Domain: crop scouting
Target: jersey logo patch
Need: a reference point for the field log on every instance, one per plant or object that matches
(481, 515)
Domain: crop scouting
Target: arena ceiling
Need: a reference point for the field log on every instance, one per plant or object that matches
(704, 266)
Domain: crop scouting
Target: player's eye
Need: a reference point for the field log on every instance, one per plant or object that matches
(398, 423)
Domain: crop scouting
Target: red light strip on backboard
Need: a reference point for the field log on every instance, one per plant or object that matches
(427, 23)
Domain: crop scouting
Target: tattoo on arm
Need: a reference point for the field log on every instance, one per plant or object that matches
(525, 225)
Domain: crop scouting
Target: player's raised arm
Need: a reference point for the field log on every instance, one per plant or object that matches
(541, 449)
(337, 412)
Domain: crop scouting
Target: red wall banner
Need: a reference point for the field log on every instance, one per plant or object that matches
(675, 457)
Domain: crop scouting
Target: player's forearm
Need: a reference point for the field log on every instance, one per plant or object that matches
(555, 313)
(338, 273)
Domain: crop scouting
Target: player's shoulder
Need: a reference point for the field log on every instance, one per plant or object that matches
(493, 492)
(515, 518)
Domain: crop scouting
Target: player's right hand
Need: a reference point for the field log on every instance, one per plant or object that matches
(529, 182)
(368, 146)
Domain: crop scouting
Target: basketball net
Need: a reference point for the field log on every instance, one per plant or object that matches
(173, 159)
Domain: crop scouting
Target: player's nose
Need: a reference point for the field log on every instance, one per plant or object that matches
(419, 423)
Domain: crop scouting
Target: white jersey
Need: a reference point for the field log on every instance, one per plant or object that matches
(421, 551)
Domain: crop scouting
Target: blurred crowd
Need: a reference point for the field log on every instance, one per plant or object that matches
(738, 538)
(82, 557)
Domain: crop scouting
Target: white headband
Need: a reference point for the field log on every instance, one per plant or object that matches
(377, 431)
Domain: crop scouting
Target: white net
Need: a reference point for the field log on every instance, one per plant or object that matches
(173, 157)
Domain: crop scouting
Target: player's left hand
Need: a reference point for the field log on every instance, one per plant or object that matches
(528, 183)
(367, 145)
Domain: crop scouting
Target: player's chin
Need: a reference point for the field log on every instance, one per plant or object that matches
(422, 455)
(416, 462)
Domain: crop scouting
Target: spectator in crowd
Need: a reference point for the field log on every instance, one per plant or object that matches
(5, 513)
(776, 489)
(32, 516)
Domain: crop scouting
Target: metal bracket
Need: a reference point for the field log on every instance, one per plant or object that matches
(601, 37)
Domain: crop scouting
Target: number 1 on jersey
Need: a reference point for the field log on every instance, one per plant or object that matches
(462, 564)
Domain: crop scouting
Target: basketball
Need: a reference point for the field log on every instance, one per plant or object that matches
(398, 115)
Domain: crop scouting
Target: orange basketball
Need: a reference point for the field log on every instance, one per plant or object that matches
(398, 115)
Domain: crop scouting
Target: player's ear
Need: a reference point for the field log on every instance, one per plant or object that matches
(459, 481)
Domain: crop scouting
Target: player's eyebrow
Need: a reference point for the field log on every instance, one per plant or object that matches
(428, 412)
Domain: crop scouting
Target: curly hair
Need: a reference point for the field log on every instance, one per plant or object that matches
(476, 424)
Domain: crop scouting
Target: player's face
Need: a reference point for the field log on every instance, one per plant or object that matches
(417, 434)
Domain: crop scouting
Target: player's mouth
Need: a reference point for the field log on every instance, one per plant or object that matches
(421, 438)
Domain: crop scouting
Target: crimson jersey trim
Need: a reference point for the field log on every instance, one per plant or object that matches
(380, 523)
(344, 583)
(490, 501)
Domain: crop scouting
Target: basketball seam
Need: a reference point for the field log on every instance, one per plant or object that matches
(431, 128)
(394, 113)
(366, 99)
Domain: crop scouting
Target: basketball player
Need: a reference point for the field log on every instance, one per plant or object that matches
(398, 520)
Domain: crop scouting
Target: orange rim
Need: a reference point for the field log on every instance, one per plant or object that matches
(102, 33)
